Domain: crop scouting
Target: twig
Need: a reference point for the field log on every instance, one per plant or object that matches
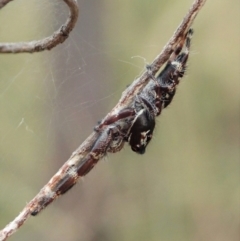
(4, 2)
(49, 42)
(81, 156)
(157, 63)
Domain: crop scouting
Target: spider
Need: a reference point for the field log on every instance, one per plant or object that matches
(156, 95)
(134, 124)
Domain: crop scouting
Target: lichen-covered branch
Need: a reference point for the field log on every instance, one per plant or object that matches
(49, 42)
(83, 154)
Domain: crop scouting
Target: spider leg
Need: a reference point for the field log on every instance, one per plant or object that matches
(125, 113)
(149, 71)
(97, 152)
(61, 183)
(185, 40)
(162, 86)
(180, 61)
(174, 70)
(161, 89)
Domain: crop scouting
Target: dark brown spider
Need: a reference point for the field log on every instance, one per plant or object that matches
(157, 95)
(134, 124)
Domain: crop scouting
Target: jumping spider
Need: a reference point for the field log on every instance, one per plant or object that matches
(136, 123)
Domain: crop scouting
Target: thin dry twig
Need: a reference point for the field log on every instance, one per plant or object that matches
(80, 154)
(4, 2)
(47, 43)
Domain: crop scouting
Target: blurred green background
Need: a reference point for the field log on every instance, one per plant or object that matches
(186, 186)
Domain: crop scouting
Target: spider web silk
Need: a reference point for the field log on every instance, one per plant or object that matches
(49, 103)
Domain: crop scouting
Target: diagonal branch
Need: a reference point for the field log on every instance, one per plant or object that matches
(4, 2)
(82, 155)
(49, 42)
(157, 63)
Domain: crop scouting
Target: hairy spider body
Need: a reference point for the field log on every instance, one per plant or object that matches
(140, 116)
(141, 131)
(136, 123)
(147, 105)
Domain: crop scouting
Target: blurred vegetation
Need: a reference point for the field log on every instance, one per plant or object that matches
(187, 185)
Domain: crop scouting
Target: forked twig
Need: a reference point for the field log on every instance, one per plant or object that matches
(47, 43)
(82, 157)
